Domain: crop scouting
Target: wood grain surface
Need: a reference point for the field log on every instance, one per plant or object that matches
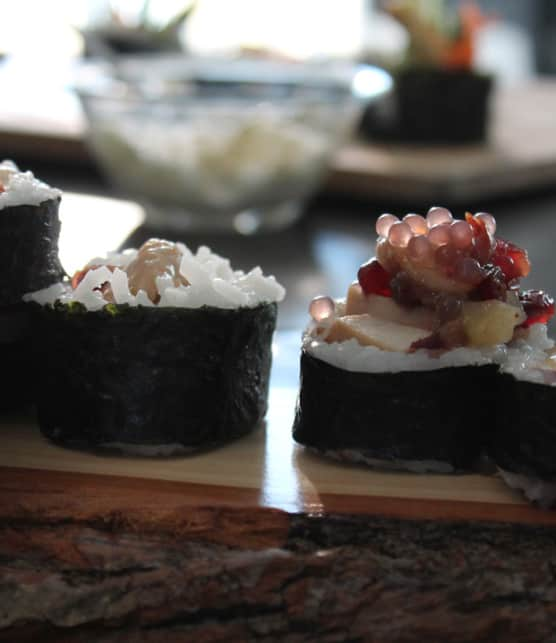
(263, 470)
(83, 561)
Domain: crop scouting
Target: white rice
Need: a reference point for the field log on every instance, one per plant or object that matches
(22, 188)
(541, 492)
(396, 464)
(518, 358)
(148, 450)
(212, 282)
(351, 356)
(525, 357)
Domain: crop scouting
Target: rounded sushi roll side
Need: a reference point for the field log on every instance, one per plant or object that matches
(523, 444)
(30, 228)
(187, 372)
(403, 372)
(411, 420)
(30, 261)
(171, 378)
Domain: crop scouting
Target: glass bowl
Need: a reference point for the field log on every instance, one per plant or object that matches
(235, 145)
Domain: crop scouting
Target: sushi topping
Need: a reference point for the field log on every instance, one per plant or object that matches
(155, 258)
(22, 188)
(451, 277)
(322, 308)
(80, 275)
(443, 263)
(164, 274)
(538, 306)
(512, 260)
(374, 279)
(493, 284)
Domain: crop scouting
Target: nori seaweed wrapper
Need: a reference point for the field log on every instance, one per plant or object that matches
(17, 357)
(153, 376)
(524, 439)
(439, 415)
(430, 105)
(29, 260)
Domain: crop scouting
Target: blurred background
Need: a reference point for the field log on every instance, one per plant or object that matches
(277, 131)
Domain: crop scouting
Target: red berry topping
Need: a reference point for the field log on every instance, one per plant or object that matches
(404, 290)
(432, 342)
(538, 306)
(482, 240)
(373, 279)
(492, 286)
(511, 259)
(80, 275)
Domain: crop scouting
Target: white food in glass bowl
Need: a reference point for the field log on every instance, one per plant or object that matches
(229, 157)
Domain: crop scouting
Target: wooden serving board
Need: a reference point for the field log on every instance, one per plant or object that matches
(258, 541)
(263, 470)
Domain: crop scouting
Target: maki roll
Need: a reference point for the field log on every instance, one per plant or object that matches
(402, 372)
(523, 446)
(155, 351)
(29, 227)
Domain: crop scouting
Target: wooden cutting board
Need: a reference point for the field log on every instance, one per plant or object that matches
(263, 470)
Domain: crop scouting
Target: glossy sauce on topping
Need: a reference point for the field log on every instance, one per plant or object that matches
(322, 308)
(155, 258)
(443, 254)
(538, 306)
(439, 263)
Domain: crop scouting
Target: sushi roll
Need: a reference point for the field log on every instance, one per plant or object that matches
(402, 372)
(155, 351)
(29, 227)
(524, 442)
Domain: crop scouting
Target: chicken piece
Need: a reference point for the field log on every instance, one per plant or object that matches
(357, 303)
(154, 259)
(371, 331)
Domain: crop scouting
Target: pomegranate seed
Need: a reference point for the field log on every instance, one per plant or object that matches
(493, 285)
(404, 290)
(431, 342)
(520, 259)
(373, 279)
(519, 266)
(538, 306)
(507, 266)
(482, 240)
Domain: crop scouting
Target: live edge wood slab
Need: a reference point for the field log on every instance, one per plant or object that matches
(99, 558)
(262, 541)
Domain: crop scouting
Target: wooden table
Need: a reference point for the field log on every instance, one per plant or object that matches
(260, 540)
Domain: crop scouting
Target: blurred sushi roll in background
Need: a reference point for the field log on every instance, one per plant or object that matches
(155, 351)
(403, 372)
(29, 228)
